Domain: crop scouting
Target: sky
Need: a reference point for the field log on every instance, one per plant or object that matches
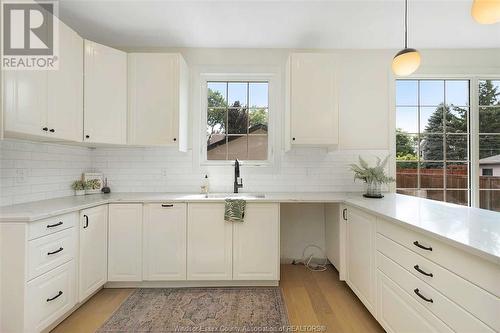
(237, 91)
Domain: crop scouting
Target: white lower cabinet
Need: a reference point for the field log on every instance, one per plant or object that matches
(399, 313)
(93, 250)
(164, 241)
(49, 297)
(360, 254)
(125, 242)
(256, 243)
(209, 243)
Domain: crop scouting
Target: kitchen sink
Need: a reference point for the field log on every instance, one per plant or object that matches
(235, 196)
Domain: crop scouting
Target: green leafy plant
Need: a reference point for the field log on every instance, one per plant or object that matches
(93, 184)
(79, 185)
(369, 174)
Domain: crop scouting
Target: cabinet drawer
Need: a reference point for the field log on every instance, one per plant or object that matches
(481, 272)
(454, 316)
(50, 296)
(50, 225)
(398, 312)
(477, 301)
(46, 253)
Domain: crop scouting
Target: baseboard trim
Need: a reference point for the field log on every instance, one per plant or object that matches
(191, 284)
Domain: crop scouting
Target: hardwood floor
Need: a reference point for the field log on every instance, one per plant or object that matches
(312, 298)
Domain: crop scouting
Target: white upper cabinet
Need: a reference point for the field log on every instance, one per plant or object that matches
(47, 103)
(157, 99)
(312, 117)
(65, 88)
(105, 96)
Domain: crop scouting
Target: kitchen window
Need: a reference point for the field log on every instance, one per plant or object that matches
(448, 148)
(432, 139)
(237, 120)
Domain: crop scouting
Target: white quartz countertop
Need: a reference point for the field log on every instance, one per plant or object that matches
(471, 229)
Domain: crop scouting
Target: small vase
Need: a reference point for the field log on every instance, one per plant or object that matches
(79, 192)
(373, 190)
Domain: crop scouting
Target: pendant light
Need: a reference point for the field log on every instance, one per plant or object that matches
(486, 11)
(406, 61)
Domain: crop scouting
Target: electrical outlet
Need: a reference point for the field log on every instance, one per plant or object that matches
(164, 172)
(21, 176)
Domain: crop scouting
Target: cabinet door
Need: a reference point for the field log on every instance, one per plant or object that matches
(105, 94)
(125, 242)
(25, 102)
(256, 243)
(153, 85)
(65, 88)
(398, 312)
(164, 242)
(313, 102)
(360, 253)
(209, 237)
(93, 250)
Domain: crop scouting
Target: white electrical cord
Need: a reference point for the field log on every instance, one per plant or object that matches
(307, 262)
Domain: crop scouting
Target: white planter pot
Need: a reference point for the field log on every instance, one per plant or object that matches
(80, 192)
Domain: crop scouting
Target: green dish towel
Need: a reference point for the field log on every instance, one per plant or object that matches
(234, 210)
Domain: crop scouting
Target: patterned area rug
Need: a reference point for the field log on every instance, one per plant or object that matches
(200, 310)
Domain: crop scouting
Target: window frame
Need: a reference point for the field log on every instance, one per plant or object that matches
(474, 170)
(272, 115)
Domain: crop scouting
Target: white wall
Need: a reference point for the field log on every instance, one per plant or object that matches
(36, 171)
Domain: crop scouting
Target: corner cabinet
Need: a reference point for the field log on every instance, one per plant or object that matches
(360, 255)
(158, 99)
(93, 250)
(105, 94)
(125, 242)
(47, 104)
(312, 106)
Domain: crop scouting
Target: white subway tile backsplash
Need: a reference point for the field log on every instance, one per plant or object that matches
(35, 171)
(32, 171)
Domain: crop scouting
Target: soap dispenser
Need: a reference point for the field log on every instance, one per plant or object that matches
(205, 185)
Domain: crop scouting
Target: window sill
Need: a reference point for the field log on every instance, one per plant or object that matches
(263, 164)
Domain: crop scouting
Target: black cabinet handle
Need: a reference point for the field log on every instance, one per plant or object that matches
(175, 139)
(87, 136)
(56, 251)
(56, 296)
(167, 205)
(344, 214)
(417, 244)
(86, 221)
(429, 300)
(45, 129)
(55, 224)
(418, 269)
(293, 139)
(52, 130)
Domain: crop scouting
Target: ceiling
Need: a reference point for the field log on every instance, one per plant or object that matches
(279, 24)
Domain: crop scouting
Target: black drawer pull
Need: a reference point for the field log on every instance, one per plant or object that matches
(422, 272)
(429, 300)
(167, 205)
(417, 244)
(56, 296)
(52, 130)
(56, 251)
(86, 222)
(344, 214)
(54, 225)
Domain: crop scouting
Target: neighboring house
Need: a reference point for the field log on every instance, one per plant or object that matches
(490, 166)
(252, 147)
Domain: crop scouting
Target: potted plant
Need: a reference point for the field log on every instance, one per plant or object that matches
(374, 177)
(79, 187)
(93, 186)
